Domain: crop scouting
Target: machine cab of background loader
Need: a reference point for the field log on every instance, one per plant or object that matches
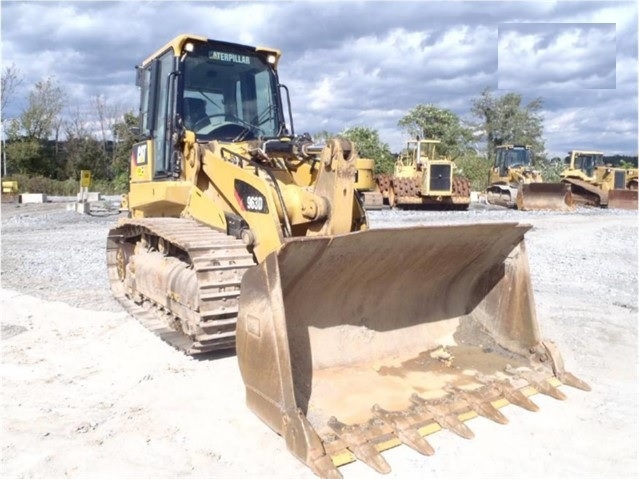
(511, 156)
(586, 161)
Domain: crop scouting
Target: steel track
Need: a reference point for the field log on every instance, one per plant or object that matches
(218, 262)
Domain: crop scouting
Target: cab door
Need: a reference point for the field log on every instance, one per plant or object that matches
(150, 158)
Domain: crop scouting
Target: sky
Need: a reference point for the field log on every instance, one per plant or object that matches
(357, 63)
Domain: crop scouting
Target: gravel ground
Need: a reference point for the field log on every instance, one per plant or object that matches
(88, 393)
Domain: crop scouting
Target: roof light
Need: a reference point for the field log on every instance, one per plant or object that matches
(188, 47)
(271, 59)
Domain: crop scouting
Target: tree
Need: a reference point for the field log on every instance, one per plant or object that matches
(504, 120)
(431, 122)
(82, 150)
(323, 136)
(11, 80)
(40, 117)
(369, 145)
(38, 121)
(124, 140)
(25, 155)
(475, 167)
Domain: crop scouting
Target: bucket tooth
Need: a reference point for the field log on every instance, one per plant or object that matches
(544, 387)
(516, 397)
(571, 380)
(479, 403)
(541, 385)
(323, 466)
(446, 418)
(512, 395)
(404, 431)
(361, 448)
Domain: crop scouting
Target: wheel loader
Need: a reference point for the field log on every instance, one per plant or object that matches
(423, 179)
(594, 183)
(350, 340)
(514, 183)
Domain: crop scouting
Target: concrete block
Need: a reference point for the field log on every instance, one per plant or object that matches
(91, 196)
(33, 198)
(83, 208)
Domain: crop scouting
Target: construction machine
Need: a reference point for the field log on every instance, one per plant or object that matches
(514, 183)
(242, 234)
(423, 179)
(366, 185)
(594, 183)
(10, 191)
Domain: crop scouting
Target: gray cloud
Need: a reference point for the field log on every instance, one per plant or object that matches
(557, 55)
(350, 63)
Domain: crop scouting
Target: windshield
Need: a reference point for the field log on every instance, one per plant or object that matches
(587, 163)
(229, 95)
(516, 157)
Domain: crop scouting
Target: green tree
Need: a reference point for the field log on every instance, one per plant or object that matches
(505, 120)
(84, 153)
(323, 135)
(38, 122)
(123, 140)
(476, 168)
(550, 168)
(24, 155)
(42, 114)
(370, 146)
(429, 121)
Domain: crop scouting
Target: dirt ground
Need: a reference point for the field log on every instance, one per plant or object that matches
(87, 392)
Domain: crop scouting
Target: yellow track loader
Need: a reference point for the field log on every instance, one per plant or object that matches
(423, 179)
(242, 234)
(595, 184)
(514, 183)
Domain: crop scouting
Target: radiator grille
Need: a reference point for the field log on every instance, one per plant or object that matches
(440, 177)
(620, 180)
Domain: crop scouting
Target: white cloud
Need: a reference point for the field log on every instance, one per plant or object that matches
(358, 63)
(557, 56)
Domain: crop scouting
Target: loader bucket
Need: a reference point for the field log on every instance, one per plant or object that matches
(544, 196)
(622, 199)
(352, 344)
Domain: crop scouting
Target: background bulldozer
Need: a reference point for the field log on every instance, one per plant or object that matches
(423, 179)
(243, 234)
(514, 183)
(595, 184)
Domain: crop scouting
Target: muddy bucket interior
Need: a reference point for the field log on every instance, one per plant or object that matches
(340, 340)
(544, 196)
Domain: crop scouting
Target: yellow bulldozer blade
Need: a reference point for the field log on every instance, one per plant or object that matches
(544, 196)
(622, 199)
(352, 344)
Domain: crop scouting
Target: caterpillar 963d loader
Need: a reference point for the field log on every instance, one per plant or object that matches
(421, 178)
(350, 340)
(595, 184)
(514, 183)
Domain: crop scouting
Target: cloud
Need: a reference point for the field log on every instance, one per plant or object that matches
(553, 55)
(360, 63)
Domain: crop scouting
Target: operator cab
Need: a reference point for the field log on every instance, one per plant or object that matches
(588, 162)
(220, 91)
(228, 93)
(512, 157)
